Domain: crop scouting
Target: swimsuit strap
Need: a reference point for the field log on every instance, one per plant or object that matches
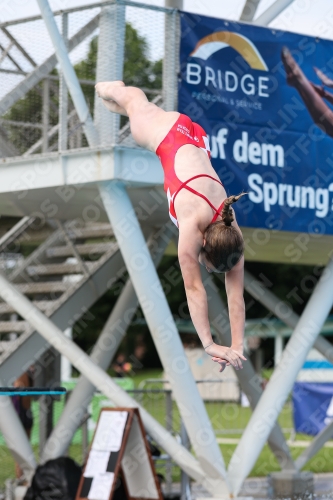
(184, 185)
(218, 212)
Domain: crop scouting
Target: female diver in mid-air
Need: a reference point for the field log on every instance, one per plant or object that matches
(198, 205)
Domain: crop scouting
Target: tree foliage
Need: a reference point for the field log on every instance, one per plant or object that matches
(139, 71)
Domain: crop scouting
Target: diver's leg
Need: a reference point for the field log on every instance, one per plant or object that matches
(318, 109)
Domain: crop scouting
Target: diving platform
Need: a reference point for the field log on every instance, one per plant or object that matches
(66, 186)
(68, 163)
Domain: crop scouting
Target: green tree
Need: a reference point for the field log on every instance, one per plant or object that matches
(138, 71)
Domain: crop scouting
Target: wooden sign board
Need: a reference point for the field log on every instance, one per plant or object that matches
(119, 450)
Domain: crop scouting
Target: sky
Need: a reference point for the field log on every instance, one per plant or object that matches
(312, 17)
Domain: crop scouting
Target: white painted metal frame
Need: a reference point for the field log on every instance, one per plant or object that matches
(105, 384)
(272, 12)
(63, 94)
(249, 10)
(211, 470)
(69, 74)
(281, 382)
(102, 354)
(44, 69)
(15, 437)
(111, 34)
(287, 315)
(163, 329)
(247, 377)
(147, 286)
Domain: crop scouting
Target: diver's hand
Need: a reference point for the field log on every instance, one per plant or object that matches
(222, 362)
(235, 358)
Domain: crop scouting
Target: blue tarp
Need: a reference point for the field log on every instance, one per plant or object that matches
(312, 406)
(263, 139)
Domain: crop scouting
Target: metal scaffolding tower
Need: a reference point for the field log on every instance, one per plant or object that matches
(75, 168)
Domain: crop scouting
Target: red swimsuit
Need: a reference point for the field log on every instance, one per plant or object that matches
(184, 131)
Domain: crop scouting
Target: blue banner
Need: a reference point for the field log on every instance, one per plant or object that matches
(267, 137)
(312, 407)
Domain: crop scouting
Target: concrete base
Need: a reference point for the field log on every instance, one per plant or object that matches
(20, 492)
(291, 484)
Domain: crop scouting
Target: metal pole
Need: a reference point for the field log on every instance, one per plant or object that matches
(69, 74)
(174, 4)
(15, 437)
(111, 34)
(44, 69)
(287, 315)
(281, 382)
(282, 311)
(247, 377)
(316, 444)
(272, 12)
(63, 94)
(45, 404)
(249, 10)
(278, 348)
(170, 60)
(85, 438)
(65, 366)
(46, 114)
(102, 354)
(185, 492)
(102, 381)
(168, 426)
(148, 288)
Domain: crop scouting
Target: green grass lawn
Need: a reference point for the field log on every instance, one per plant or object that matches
(228, 419)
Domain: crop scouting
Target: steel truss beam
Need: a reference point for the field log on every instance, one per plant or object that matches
(63, 95)
(55, 337)
(19, 46)
(163, 329)
(50, 134)
(6, 147)
(111, 34)
(249, 10)
(69, 73)
(15, 437)
(102, 354)
(28, 351)
(247, 377)
(44, 69)
(272, 12)
(284, 312)
(280, 384)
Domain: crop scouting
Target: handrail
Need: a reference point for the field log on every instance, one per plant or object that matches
(15, 232)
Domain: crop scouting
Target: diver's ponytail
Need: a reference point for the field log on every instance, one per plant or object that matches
(227, 214)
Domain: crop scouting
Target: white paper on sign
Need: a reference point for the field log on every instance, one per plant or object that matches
(110, 431)
(101, 485)
(97, 463)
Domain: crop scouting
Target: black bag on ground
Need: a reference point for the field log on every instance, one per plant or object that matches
(57, 479)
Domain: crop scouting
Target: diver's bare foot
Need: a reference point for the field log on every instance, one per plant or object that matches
(104, 89)
(295, 75)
